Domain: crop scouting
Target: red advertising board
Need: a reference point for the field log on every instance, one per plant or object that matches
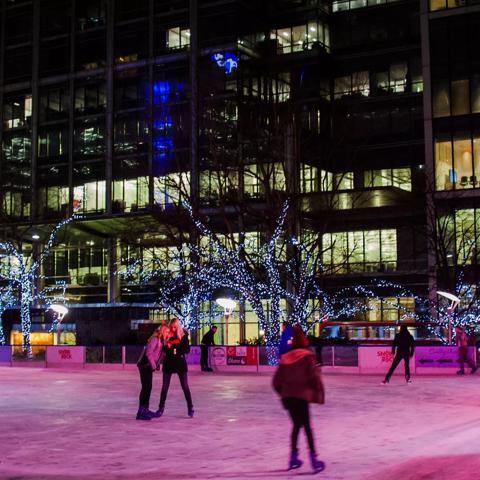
(241, 355)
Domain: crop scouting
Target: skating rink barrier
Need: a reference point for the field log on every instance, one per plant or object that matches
(363, 359)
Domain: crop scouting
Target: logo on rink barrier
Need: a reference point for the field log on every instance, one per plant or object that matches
(242, 355)
(385, 356)
(218, 355)
(65, 354)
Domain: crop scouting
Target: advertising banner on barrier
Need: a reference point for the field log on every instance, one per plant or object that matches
(5, 354)
(375, 359)
(193, 358)
(241, 355)
(218, 356)
(65, 355)
(439, 357)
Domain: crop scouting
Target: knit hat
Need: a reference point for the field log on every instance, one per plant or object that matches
(299, 339)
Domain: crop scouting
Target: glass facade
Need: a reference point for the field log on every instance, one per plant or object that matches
(110, 111)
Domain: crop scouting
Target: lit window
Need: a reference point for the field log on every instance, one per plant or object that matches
(396, 177)
(301, 37)
(178, 37)
(89, 197)
(360, 251)
(171, 189)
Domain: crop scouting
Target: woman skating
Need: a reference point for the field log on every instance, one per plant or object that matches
(147, 364)
(176, 347)
(298, 383)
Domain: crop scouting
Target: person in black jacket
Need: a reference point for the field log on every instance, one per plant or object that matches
(176, 347)
(207, 340)
(404, 345)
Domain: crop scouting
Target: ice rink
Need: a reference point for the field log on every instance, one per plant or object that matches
(58, 424)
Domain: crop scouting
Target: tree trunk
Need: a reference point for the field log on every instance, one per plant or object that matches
(25, 316)
(2, 335)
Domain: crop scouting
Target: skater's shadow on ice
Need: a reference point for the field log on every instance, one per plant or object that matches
(458, 467)
(267, 475)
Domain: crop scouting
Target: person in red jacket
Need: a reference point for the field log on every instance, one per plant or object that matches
(297, 381)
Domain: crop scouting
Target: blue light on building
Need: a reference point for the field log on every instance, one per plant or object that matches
(226, 60)
(164, 93)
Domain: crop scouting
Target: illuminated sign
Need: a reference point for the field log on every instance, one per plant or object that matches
(228, 61)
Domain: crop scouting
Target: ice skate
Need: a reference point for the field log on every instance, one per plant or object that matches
(294, 462)
(384, 382)
(159, 412)
(317, 465)
(474, 369)
(461, 372)
(142, 414)
(191, 412)
(407, 379)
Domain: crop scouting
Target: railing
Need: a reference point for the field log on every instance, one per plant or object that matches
(340, 358)
(128, 355)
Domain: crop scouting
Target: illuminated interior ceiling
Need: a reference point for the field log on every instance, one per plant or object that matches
(122, 226)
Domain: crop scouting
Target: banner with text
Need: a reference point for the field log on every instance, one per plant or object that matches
(376, 359)
(440, 357)
(65, 355)
(241, 355)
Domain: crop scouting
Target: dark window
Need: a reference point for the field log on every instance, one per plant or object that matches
(90, 50)
(18, 64)
(18, 25)
(52, 143)
(130, 93)
(131, 134)
(90, 99)
(90, 14)
(54, 57)
(54, 17)
(128, 9)
(53, 104)
(131, 42)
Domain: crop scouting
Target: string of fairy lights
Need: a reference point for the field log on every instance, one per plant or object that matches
(200, 270)
(222, 266)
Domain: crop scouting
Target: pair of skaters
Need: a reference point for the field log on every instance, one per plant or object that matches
(404, 346)
(171, 343)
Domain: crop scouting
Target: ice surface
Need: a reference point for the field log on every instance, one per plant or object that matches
(57, 424)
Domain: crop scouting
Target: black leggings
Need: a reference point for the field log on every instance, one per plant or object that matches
(398, 358)
(146, 375)
(183, 382)
(299, 413)
(204, 357)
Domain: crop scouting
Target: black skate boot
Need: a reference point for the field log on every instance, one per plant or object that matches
(142, 414)
(159, 412)
(294, 462)
(317, 465)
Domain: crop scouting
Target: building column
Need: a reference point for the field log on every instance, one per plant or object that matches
(109, 109)
(35, 103)
(429, 155)
(194, 161)
(114, 255)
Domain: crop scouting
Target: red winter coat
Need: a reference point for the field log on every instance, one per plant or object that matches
(297, 376)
